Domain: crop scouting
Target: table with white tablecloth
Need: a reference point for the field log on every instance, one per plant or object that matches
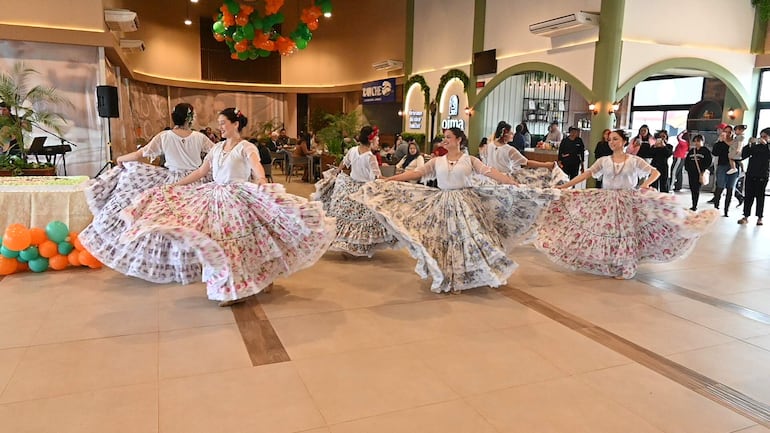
(37, 200)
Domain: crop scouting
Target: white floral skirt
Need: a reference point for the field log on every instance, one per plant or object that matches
(609, 232)
(149, 257)
(324, 188)
(245, 235)
(461, 238)
(359, 232)
(530, 177)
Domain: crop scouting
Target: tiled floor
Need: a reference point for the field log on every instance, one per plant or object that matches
(373, 350)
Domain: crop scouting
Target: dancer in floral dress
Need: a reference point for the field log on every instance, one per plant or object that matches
(246, 235)
(609, 231)
(460, 235)
(358, 231)
(508, 160)
(147, 257)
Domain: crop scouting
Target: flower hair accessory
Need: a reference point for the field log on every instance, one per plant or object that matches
(189, 117)
(375, 132)
(237, 112)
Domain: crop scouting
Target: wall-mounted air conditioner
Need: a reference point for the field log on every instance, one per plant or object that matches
(121, 20)
(388, 65)
(132, 45)
(566, 24)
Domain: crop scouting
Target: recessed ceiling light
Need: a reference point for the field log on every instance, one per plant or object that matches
(188, 22)
(328, 14)
(193, 1)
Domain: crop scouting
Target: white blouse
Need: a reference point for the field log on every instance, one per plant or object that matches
(624, 175)
(363, 166)
(414, 164)
(453, 175)
(504, 158)
(180, 153)
(232, 166)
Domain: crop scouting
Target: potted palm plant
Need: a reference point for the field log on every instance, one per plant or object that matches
(28, 105)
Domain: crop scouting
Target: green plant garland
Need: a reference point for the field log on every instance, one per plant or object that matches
(250, 35)
(763, 9)
(418, 79)
(452, 73)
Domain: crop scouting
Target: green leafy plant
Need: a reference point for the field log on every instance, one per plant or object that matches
(29, 105)
(341, 129)
(763, 9)
(419, 138)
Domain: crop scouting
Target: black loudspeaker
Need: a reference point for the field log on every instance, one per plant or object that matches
(107, 101)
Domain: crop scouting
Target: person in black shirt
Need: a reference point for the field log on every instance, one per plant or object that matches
(660, 152)
(571, 151)
(697, 161)
(602, 150)
(724, 181)
(757, 174)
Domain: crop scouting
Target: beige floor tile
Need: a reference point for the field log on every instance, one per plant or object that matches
(565, 348)
(495, 309)
(562, 405)
(210, 349)
(130, 409)
(19, 294)
(65, 368)
(406, 323)
(80, 322)
(761, 341)
(657, 330)
(739, 365)
(754, 429)
(326, 333)
(755, 299)
(107, 288)
(9, 359)
(354, 385)
(450, 417)
(269, 398)
(483, 362)
(663, 403)
(192, 312)
(718, 279)
(18, 328)
(720, 320)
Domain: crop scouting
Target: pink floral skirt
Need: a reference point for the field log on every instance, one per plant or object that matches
(609, 232)
(245, 235)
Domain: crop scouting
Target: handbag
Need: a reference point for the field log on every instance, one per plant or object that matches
(704, 175)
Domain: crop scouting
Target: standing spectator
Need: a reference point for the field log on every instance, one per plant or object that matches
(720, 128)
(697, 161)
(603, 149)
(680, 153)
(518, 139)
(724, 181)
(571, 153)
(660, 152)
(641, 144)
(757, 173)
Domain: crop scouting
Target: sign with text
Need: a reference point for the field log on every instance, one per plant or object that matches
(415, 119)
(379, 91)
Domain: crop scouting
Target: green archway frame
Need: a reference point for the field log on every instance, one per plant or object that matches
(573, 81)
(718, 71)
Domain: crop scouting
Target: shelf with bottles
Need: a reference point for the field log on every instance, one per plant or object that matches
(543, 116)
(545, 104)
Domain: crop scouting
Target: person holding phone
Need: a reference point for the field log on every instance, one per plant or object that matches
(757, 174)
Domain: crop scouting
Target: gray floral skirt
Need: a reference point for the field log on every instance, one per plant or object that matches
(461, 238)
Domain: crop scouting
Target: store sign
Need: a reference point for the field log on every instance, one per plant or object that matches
(454, 111)
(376, 92)
(415, 119)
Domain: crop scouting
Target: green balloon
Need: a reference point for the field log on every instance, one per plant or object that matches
(278, 18)
(263, 53)
(309, 36)
(238, 35)
(57, 231)
(218, 27)
(231, 45)
(21, 260)
(304, 31)
(11, 254)
(248, 31)
(243, 55)
(230, 31)
(39, 264)
(326, 7)
(30, 253)
(256, 21)
(301, 43)
(65, 248)
(233, 7)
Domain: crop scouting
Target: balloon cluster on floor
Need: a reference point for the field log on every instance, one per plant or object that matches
(38, 250)
(250, 35)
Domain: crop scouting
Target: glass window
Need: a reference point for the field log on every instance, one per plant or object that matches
(764, 91)
(764, 120)
(676, 122)
(670, 91)
(653, 119)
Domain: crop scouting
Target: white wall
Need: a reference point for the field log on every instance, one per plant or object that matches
(443, 36)
(577, 60)
(505, 102)
(705, 23)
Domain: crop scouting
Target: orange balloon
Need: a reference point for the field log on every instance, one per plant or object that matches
(7, 266)
(75, 241)
(313, 25)
(86, 259)
(95, 265)
(17, 237)
(219, 37)
(74, 258)
(22, 267)
(37, 236)
(241, 19)
(58, 262)
(48, 249)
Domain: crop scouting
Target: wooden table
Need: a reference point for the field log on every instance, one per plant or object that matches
(541, 155)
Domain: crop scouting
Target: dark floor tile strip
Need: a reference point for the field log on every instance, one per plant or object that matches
(262, 343)
(746, 312)
(703, 385)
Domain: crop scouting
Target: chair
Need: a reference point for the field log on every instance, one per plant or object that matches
(388, 170)
(268, 171)
(279, 158)
(293, 163)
